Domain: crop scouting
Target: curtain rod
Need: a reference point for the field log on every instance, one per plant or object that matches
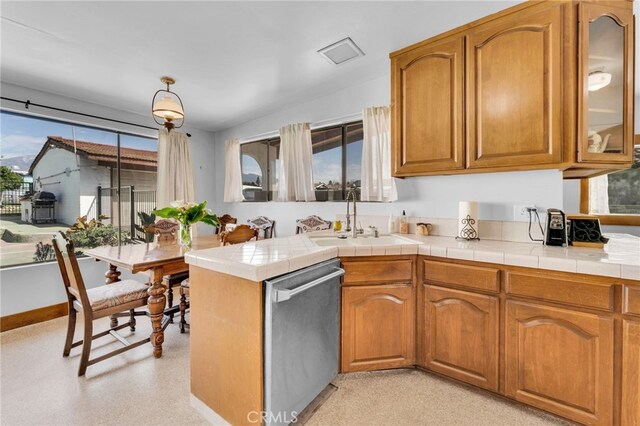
(28, 103)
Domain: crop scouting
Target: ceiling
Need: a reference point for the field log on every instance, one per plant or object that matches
(233, 61)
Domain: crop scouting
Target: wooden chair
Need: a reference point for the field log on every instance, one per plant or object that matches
(166, 231)
(312, 223)
(263, 223)
(95, 303)
(241, 234)
(224, 219)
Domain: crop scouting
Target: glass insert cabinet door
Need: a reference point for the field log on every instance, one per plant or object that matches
(606, 107)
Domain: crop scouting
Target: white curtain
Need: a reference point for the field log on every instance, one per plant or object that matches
(295, 182)
(232, 172)
(599, 195)
(175, 174)
(376, 181)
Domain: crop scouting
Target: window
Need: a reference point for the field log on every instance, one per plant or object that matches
(615, 197)
(337, 153)
(259, 163)
(79, 166)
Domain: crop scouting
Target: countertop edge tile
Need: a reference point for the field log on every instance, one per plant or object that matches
(268, 258)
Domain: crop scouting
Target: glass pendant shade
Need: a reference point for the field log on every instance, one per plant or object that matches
(598, 79)
(167, 108)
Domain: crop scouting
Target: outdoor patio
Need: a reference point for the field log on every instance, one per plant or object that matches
(18, 239)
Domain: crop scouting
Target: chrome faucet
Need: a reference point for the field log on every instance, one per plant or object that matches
(352, 194)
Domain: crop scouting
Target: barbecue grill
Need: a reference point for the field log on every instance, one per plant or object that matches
(43, 207)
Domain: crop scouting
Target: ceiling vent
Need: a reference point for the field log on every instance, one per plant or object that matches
(341, 51)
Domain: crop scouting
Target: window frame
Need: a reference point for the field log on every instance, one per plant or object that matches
(71, 123)
(276, 139)
(608, 219)
(605, 219)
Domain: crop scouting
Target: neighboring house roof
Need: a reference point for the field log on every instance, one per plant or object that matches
(105, 155)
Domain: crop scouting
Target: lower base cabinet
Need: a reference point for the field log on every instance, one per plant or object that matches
(378, 329)
(556, 341)
(560, 360)
(461, 335)
(630, 373)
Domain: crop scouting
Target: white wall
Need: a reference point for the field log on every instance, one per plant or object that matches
(66, 186)
(24, 288)
(35, 286)
(436, 196)
(90, 178)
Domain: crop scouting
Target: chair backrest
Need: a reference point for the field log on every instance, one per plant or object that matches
(263, 223)
(240, 234)
(312, 223)
(166, 231)
(69, 269)
(224, 219)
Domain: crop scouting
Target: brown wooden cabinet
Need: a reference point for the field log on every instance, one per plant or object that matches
(428, 118)
(377, 327)
(514, 92)
(378, 313)
(630, 373)
(562, 342)
(605, 108)
(461, 335)
(560, 360)
(533, 94)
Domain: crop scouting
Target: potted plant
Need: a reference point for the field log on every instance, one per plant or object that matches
(188, 214)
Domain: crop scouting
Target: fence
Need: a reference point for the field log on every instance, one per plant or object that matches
(132, 202)
(10, 201)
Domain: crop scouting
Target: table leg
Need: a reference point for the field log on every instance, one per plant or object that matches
(156, 304)
(112, 276)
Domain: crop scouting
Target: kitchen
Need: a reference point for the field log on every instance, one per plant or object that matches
(433, 199)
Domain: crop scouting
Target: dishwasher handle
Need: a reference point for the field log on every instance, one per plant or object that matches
(282, 295)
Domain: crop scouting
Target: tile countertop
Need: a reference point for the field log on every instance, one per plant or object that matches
(260, 260)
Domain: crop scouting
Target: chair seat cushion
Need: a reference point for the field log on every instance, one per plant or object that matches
(118, 293)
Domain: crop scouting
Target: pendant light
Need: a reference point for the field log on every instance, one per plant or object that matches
(167, 106)
(597, 80)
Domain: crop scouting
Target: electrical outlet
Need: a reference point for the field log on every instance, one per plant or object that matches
(521, 213)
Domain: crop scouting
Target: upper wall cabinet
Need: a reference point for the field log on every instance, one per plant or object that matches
(606, 65)
(539, 85)
(428, 120)
(514, 108)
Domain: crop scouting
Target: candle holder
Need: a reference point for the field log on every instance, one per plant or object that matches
(468, 232)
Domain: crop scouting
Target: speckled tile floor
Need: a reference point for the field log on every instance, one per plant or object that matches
(412, 397)
(40, 387)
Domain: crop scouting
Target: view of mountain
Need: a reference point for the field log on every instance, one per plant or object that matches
(19, 164)
(250, 177)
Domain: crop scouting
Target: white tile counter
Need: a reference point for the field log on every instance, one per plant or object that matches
(260, 260)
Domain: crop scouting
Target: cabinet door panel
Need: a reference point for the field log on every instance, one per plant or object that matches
(605, 109)
(630, 373)
(428, 108)
(560, 361)
(462, 335)
(377, 327)
(514, 76)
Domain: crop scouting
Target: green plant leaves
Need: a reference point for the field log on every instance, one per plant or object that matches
(189, 215)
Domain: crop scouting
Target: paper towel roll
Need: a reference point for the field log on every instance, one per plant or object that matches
(468, 220)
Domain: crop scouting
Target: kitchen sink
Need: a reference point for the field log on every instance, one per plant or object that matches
(385, 240)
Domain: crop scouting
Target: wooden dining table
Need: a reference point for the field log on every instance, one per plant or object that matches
(159, 261)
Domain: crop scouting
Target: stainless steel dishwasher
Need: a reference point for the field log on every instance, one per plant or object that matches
(301, 339)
